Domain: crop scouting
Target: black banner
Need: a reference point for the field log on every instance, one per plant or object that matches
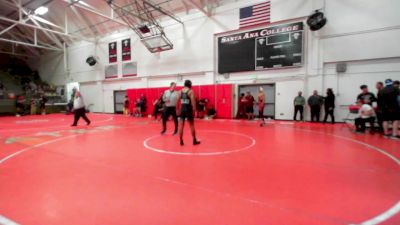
(126, 49)
(272, 47)
(112, 52)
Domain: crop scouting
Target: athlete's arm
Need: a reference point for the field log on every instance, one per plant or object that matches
(178, 98)
(193, 100)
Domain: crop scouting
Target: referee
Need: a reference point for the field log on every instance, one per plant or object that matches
(170, 98)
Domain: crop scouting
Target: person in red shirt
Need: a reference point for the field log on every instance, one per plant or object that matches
(241, 106)
(249, 106)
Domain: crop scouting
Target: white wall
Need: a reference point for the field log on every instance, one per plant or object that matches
(363, 33)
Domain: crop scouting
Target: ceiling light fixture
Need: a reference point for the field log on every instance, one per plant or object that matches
(41, 10)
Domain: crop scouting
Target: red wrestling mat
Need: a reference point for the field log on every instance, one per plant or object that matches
(120, 171)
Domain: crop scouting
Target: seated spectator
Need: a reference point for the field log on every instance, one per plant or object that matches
(366, 114)
(365, 96)
(211, 113)
(201, 107)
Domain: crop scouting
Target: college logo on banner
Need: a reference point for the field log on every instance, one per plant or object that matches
(126, 49)
(112, 52)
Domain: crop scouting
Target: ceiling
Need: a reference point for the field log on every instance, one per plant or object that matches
(71, 20)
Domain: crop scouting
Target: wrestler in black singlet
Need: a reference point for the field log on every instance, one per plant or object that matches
(186, 106)
(186, 110)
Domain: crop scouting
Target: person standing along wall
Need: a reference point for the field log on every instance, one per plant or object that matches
(299, 102)
(249, 106)
(329, 104)
(126, 106)
(261, 103)
(379, 86)
(315, 102)
(241, 107)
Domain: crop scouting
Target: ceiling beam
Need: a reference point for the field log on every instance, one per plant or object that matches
(31, 17)
(198, 7)
(45, 29)
(84, 21)
(8, 28)
(96, 12)
(16, 35)
(30, 44)
(17, 54)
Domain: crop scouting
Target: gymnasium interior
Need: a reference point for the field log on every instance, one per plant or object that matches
(200, 112)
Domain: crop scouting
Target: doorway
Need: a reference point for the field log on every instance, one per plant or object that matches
(269, 90)
(119, 98)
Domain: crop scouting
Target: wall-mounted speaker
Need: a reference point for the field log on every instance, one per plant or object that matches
(341, 67)
(91, 61)
(144, 29)
(316, 21)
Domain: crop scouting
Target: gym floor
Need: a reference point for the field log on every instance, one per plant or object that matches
(119, 170)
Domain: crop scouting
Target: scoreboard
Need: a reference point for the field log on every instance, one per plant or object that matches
(272, 47)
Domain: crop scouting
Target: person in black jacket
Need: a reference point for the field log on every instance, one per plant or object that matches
(390, 108)
(365, 96)
(329, 105)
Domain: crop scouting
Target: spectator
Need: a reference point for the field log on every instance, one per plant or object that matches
(299, 102)
(43, 101)
(138, 108)
(241, 106)
(390, 108)
(201, 107)
(261, 104)
(211, 113)
(379, 86)
(158, 108)
(2, 92)
(143, 103)
(33, 107)
(315, 102)
(366, 114)
(126, 105)
(20, 105)
(249, 106)
(365, 96)
(396, 84)
(329, 105)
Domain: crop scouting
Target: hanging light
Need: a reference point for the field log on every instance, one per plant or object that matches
(41, 10)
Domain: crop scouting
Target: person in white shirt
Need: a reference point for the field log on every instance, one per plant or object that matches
(366, 114)
(79, 109)
(170, 98)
